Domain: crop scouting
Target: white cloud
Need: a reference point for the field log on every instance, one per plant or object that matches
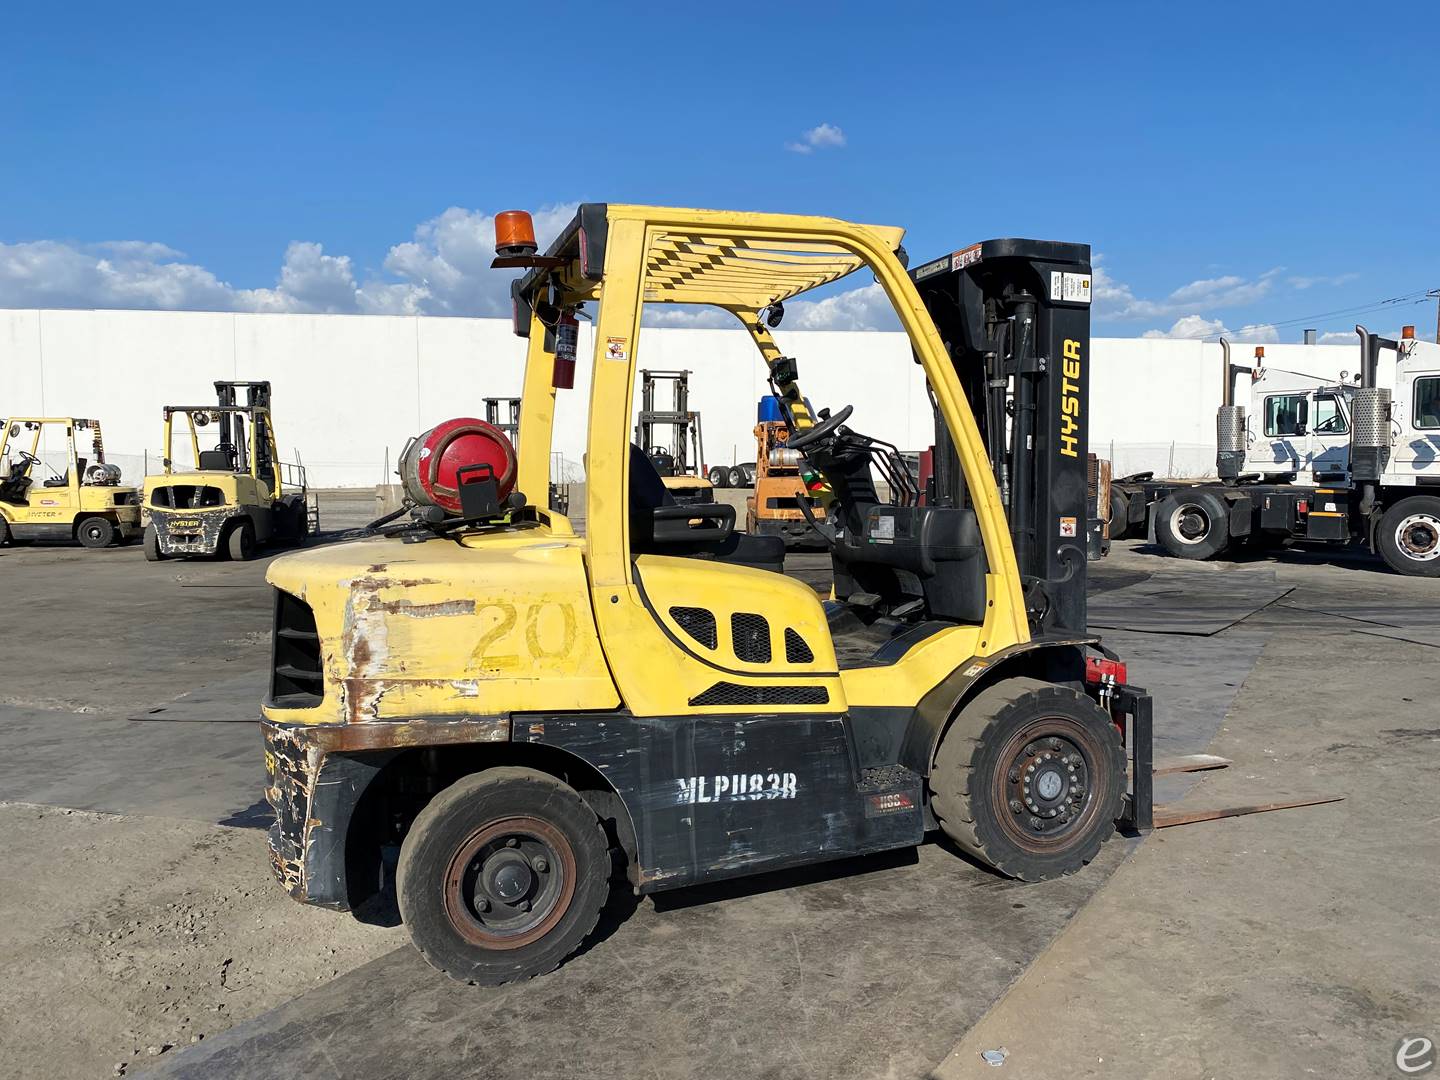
(443, 270)
(817, 138)
(1196, 328)
(1301, 282)
(1115, 299)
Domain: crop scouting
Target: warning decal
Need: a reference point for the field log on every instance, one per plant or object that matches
(1067, 526)
(1070, 288)
(617, 348)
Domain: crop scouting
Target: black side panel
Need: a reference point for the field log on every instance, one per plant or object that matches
(713, 797)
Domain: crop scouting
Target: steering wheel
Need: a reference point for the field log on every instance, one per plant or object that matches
(822, 430)
(28, 458)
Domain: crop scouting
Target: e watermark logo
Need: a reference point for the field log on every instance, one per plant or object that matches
(1415, 1055)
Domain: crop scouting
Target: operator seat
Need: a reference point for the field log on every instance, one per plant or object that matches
(648, 493)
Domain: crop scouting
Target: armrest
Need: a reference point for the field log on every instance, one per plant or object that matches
(672, 524)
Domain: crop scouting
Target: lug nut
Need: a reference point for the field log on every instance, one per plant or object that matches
(524, 905)
(481, 904)
(541, 865)
(1030, 769)
(512, 842)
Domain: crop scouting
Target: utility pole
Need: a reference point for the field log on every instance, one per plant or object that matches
(1434, 294)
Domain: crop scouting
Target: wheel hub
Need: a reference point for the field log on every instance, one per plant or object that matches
(1190, 523)
(510, 882)
(1418, 536)
(1047, 786)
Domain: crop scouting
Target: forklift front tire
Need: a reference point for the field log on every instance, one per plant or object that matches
(1029, 779)
(4, 532)
(240, 544)
(150, 544)
(96, 532)
(502, 876)
(1193, 524)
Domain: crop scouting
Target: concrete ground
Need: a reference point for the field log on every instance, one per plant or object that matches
(137, 912)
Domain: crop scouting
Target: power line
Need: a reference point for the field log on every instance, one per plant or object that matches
(1418, 297)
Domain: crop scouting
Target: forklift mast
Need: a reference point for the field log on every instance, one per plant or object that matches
(1015, 318)
(257, 398)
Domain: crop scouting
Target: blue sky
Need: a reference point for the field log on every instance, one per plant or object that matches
(1232, 165)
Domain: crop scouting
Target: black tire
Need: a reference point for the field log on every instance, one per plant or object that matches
(1193, 524)
(461, 838)
(95, 532)
(4, 532)
(150, 544)
(735, 477)
(1008, 730)
(718, 476)
(240, 542)
(1408, 536)
(1119, 515)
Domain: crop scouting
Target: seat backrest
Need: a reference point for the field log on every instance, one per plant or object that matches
(215, 460)
(647, 490)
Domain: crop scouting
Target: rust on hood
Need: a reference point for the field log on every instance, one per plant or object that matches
(390, 735)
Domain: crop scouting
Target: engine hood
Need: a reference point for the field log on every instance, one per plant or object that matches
(479, 626)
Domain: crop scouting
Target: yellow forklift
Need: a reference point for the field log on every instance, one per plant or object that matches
(237, 494)
(492, 714)
(85, 504)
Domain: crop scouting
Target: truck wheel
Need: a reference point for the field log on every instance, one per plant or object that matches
(95, 532)
(150, 544)
(240, 543)
(1193, 524)
(502, 876)
(1409, 536)
(1029, 779)
(1119, 515)
(735, 477)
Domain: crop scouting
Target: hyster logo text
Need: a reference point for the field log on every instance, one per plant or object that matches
(1070, 400)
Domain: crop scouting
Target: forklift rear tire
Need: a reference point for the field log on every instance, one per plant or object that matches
(96, 532)
(150, 544)
(240, 544)
(1193, 524)
(502, 876)
(1029, 779)
(1408, 536)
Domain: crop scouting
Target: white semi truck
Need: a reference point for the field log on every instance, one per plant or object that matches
(1349, 462)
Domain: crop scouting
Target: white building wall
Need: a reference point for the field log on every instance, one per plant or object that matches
(350, 389)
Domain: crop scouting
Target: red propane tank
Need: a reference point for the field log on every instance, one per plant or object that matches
(430, 460)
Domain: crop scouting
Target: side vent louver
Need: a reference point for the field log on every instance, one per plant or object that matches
(750, 634)
(724, 693)
(796, 650)
(698, 622)
(296, 680)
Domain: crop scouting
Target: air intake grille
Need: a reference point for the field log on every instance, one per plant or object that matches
(697, 622)
(296, 681)
(750, 634)
(796, 651)
(724, 693)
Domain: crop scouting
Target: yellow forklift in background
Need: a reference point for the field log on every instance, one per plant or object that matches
(493, 714)
(86, 503)
(238, 494)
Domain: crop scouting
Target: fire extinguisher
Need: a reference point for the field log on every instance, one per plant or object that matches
(567, 340)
